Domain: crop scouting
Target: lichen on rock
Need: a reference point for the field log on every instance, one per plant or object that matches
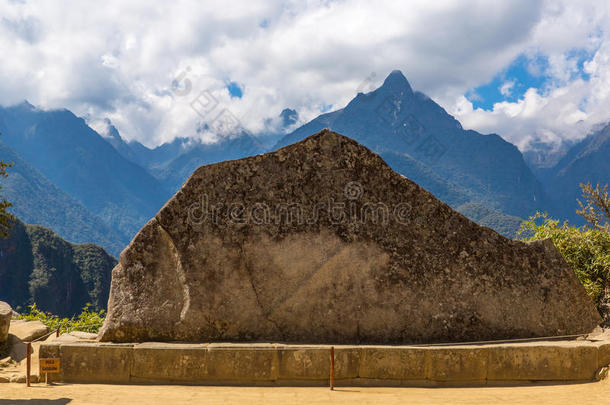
(321, 242)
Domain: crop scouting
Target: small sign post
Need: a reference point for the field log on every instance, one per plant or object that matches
(48, 366)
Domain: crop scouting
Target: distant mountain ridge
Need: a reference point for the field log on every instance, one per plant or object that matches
(420, 140)
(80, 162)
(172, 163)
(587, 161)
(112, 136)
(37, 200)
(417, 138)
(37, 266)
(100, 188)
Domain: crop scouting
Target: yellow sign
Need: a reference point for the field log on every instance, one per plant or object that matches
(49, 365)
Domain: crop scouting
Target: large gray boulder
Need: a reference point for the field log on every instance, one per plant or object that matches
(321, 242)
(6, 313)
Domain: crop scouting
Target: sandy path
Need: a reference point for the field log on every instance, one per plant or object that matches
(597, 393)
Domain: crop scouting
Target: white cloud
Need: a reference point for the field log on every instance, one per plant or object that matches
(569, 106)
(506, 89)
(119, 60)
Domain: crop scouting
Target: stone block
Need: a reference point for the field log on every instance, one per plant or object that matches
(99, 363)
(303, 363)
(234, 363)
(393, 363)
(542, 362)
(6, 313)
(28, 331)
(457, 364)
(603, 354)
(169, 362)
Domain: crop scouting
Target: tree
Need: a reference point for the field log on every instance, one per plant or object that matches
(586, 249)
(597, 208)
(5, 217)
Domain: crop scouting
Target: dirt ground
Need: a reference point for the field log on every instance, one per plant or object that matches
(589, 393)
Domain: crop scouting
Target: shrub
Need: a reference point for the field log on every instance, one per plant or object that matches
(586, 249)
(86, 321)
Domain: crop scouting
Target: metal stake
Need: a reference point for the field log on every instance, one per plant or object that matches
(28, 364)
(332, 368)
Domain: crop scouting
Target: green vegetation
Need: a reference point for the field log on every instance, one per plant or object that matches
(35, 200)
(586, 249)
(597, 208)
(5, 217)
(37, 266)
(71, 156)
(86, 321)
(505, 225)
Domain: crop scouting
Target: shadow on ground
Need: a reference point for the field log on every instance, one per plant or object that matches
(35, 401)
(18, 349)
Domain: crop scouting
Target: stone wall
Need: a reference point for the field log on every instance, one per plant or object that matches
(284, 364)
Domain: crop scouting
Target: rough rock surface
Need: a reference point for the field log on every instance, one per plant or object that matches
(28, 330)
(6, 313)
(321, 242)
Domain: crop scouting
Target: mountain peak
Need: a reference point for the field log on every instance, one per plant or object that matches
(288, 117)
(25, 104)
(110, 131)
(397, 81)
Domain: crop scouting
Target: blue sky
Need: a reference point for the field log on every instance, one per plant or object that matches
(235, 90)
(523, 73)
(511, 83)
